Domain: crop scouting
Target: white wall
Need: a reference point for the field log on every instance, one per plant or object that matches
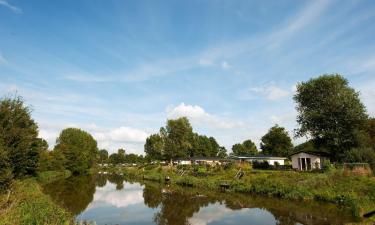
(314, 160)
(272, 162)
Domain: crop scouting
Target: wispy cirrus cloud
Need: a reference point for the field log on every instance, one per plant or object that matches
(15, 9)
(215, 55)
(269, 92)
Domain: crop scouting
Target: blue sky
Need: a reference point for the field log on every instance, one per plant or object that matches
(119, 69)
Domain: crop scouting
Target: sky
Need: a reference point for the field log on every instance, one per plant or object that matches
(120, 69)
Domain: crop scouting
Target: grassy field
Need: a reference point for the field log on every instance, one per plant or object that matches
(27, 204)
(352, 191)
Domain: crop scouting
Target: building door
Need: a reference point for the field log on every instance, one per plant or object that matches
(303, 164)
(308, 163)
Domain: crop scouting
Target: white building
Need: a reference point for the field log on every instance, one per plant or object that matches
(272, 160)
(308, 160)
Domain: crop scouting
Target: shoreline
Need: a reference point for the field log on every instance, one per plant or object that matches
(353, 192)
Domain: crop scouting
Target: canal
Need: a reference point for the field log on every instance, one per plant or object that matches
(113, 199)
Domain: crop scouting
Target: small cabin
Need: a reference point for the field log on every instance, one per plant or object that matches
(272, 160)
(309, 160)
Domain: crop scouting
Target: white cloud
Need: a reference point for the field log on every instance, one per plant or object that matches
(11, 7)
(199, 115)
(270, 92)
(128, 134)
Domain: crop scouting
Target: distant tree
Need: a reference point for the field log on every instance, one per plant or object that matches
(222, 152)
(121, 155)
(103, 156)
(246, 148)
(306, 146)
(330, 112)
(79, 149)
(19, 136)
(113, 158)
(370, 129)
(276, 142)
(154, 146)
(178, 132)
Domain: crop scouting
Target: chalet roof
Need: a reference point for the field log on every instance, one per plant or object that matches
(317, 153)
(258, 157)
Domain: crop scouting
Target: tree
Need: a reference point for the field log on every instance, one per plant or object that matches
(178, 132)
(79, 149)
(121, 155)
(222, 153)
(113, 158)
(103, 155)
(18, 134)
(330, 112)
(245, 149)
(154, 146)
(276, 142)
(5, 170)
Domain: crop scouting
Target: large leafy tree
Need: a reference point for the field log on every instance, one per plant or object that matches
(247, 148)
(18, 134)
(330, 112)
(178, 136)
(79, 149)
(276, 142)
(154, 146)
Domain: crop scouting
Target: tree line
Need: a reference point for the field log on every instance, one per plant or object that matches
(177, 140)
(330, 115)
(23, 153)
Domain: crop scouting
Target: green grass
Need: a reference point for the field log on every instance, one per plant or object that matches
(27, 204)
(354, 192)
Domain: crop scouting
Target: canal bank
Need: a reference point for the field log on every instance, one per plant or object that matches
(351, 191)
(26, 203)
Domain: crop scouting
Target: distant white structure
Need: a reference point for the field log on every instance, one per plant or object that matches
(308, 160)
(272, 160)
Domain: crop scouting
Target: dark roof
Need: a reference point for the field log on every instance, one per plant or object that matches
(317, 153)
(257, 156)
(201, 158)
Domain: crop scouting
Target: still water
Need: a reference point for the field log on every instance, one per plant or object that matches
(113, 199)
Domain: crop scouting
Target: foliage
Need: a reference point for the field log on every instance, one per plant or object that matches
(177, 140)
(306, 146)
(261, 165)
(79, 149)
(276, 142)
(29, 205)
(330, 112)
(18, 134)
(154, 146)
(178, 133)
(51, 176)
(361, 155)
(245, 149)
(103, 156)
(5, 170)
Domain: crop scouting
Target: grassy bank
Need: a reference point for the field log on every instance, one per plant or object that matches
(354, 192)
(27, 204)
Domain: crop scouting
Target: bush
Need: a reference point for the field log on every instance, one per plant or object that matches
(327, 166)
(361, 155)
(261, 165)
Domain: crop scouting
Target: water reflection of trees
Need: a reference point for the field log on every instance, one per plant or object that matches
(74, 193)
(177, 205)
(116, 179)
